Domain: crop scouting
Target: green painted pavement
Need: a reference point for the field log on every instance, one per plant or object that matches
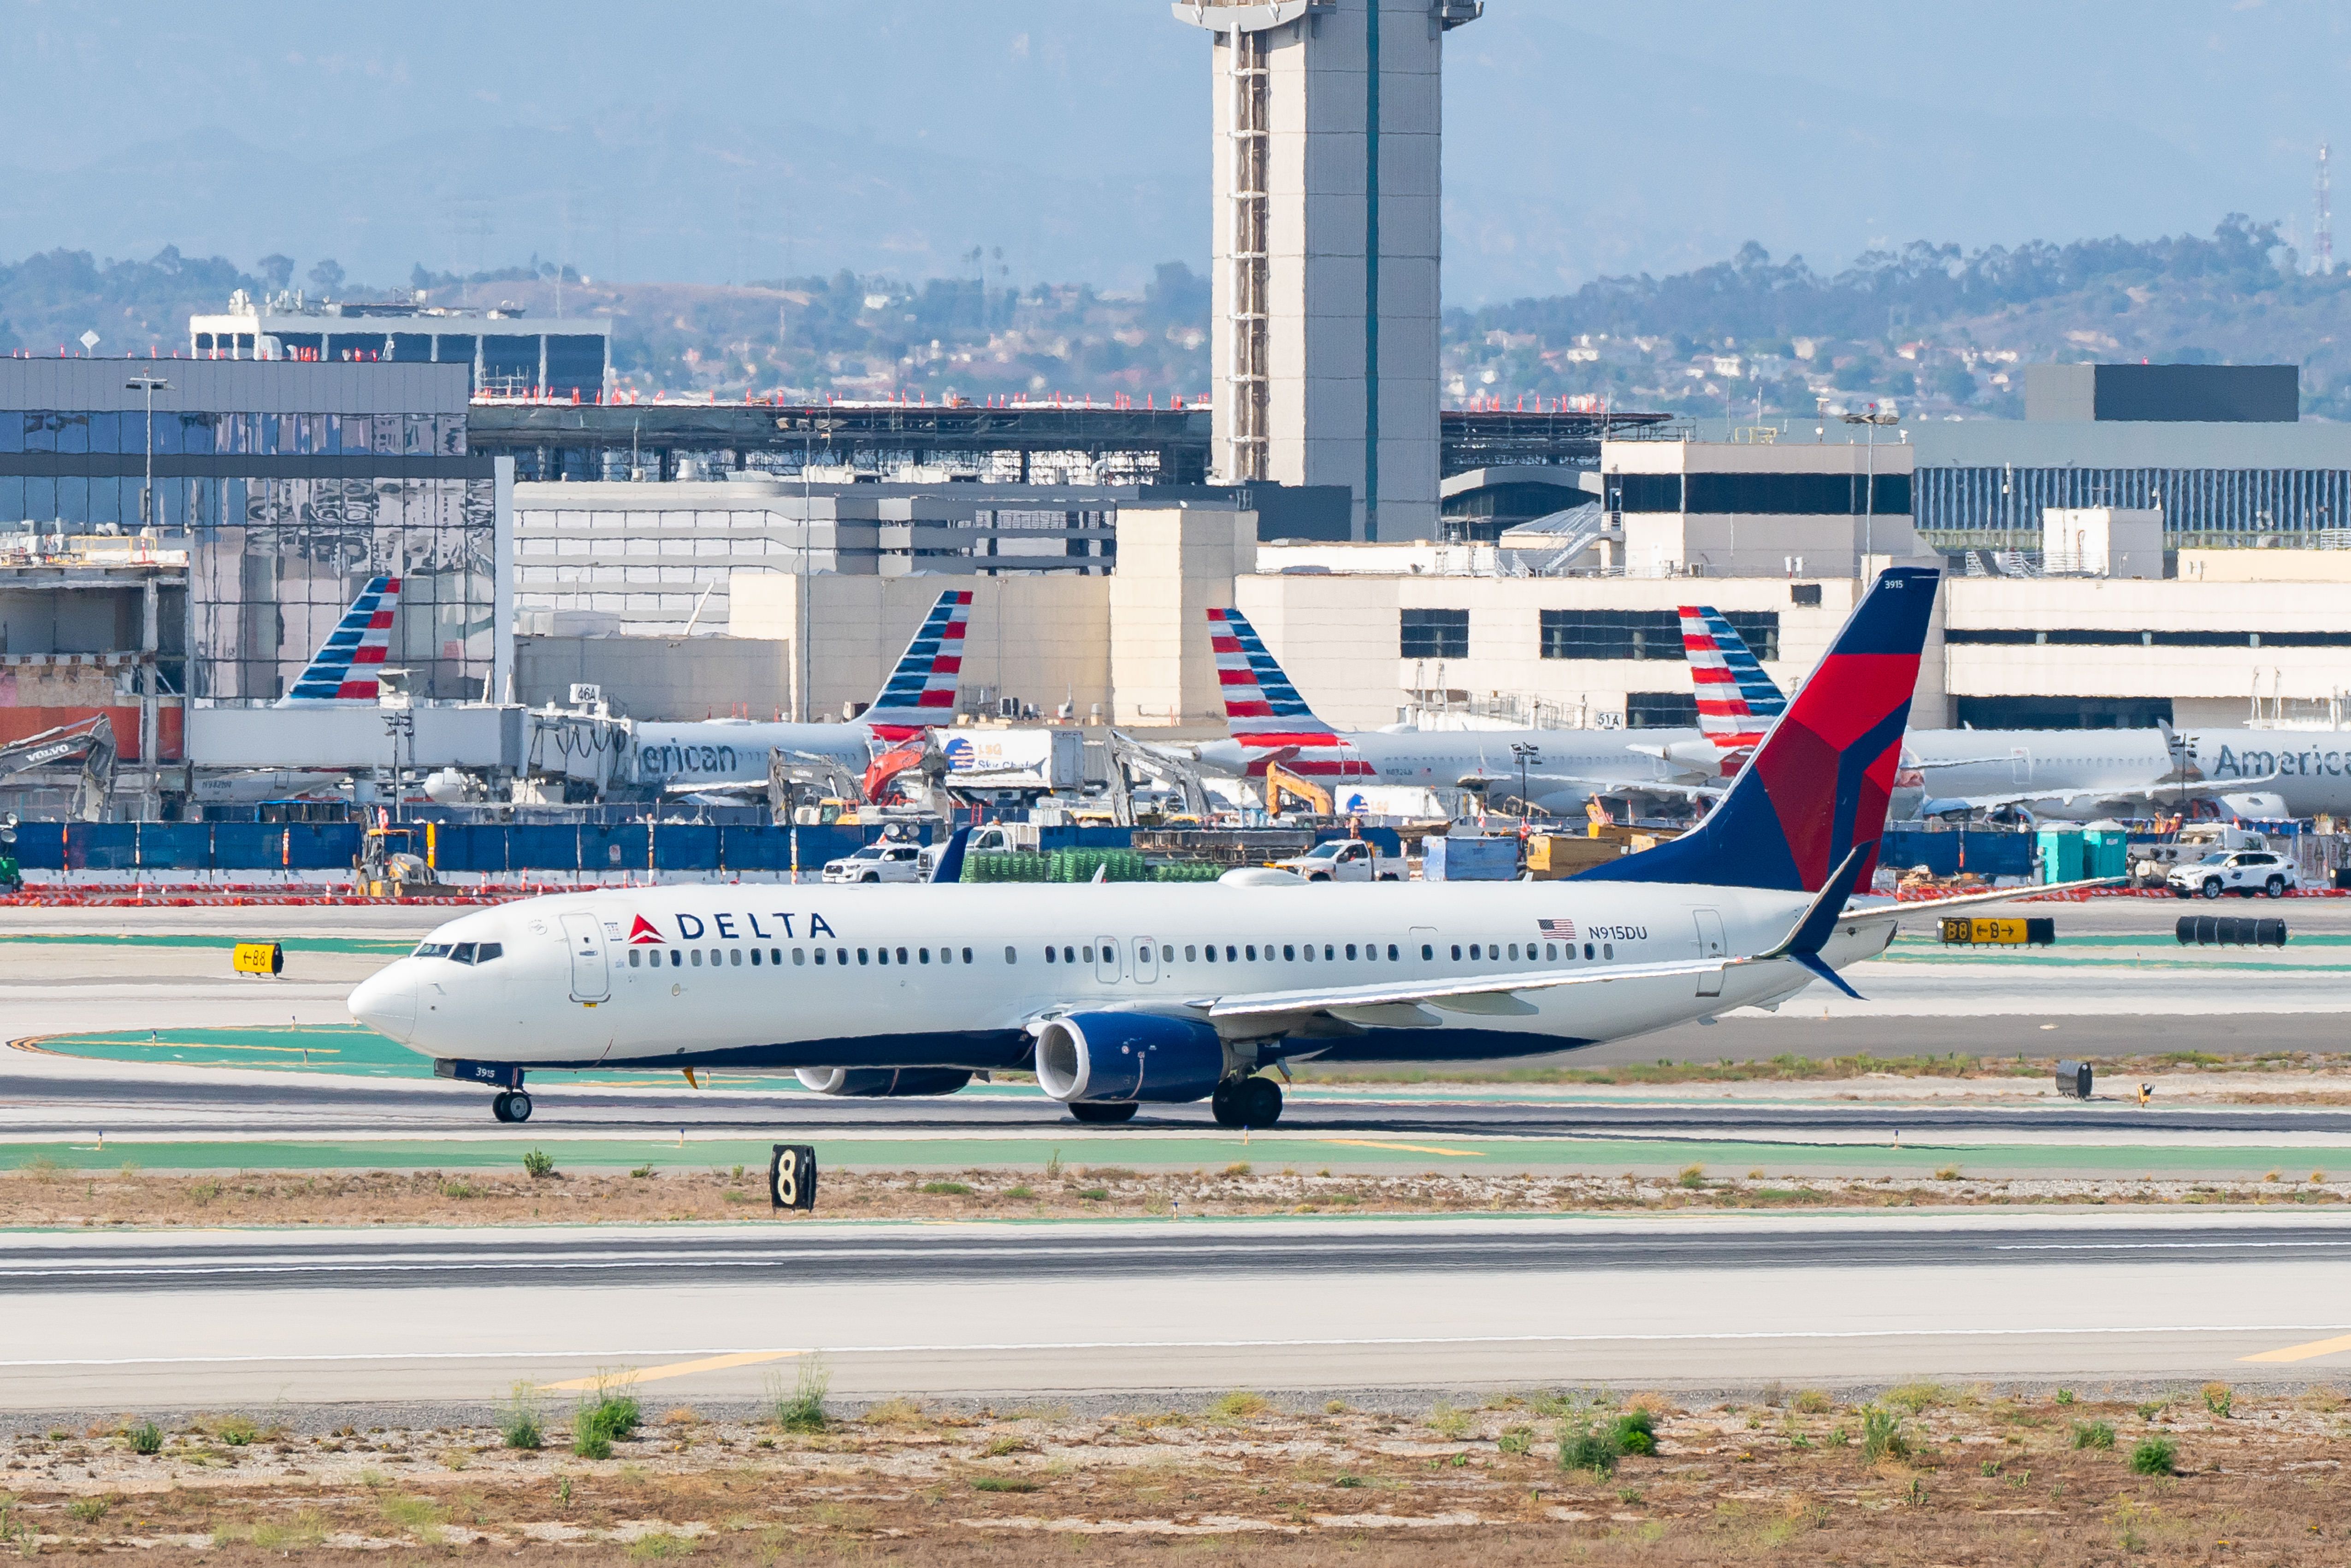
(390, 947)
(341, 1048)
(1149, 1151)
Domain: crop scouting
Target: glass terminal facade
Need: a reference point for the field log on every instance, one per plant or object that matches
(288, 486)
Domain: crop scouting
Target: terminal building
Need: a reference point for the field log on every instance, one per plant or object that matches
(504, 353)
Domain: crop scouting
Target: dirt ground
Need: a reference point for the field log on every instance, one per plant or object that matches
(1921, 1474)
(50, 1196)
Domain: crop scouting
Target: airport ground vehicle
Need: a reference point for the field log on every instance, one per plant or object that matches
(2241, 872)
(1341, 859)
(885, 860)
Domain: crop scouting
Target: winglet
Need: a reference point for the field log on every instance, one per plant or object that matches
(950, 863)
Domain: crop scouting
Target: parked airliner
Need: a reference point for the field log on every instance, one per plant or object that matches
(1120, 994)
(920, 693)
(2077, 775)
(1270, 722)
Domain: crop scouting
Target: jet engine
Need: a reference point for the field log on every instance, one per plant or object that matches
(883, 1083)
(1098, 1057)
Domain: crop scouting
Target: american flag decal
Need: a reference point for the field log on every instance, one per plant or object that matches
(1563, 929)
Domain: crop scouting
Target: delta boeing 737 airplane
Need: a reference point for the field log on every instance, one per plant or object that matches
(1118, 995)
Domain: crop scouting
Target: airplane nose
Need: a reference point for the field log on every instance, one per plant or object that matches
(386, 1001)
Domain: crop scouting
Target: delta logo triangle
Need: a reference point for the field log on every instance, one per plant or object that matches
(642, 933)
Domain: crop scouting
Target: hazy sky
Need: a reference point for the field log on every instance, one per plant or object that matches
(727, 140)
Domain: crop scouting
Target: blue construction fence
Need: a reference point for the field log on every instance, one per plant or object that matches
(1987, 852)
(491, 847)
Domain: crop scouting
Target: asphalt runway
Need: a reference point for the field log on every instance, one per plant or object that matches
(1157, 1307)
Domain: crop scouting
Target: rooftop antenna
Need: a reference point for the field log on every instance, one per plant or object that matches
(2323, 241)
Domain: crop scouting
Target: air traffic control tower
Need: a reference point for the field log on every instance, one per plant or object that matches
(1324, 350)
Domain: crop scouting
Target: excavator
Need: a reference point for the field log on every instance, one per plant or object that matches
(91, 741)
(1129, 757)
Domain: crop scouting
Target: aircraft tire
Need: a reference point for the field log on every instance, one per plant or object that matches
(1102, 1113)
(1225, 1103)
(518, 1106)
(501, 1105)
(1260, 1102)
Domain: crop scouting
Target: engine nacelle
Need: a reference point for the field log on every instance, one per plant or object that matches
(1120, 1057)
(883, 1083)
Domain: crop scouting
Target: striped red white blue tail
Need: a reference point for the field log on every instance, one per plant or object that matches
(1266, 714)
(348, 667)
(921, 691)
(1736, 700)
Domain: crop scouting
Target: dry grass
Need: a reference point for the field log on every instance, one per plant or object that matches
(45, 1198)
(1986, 1480)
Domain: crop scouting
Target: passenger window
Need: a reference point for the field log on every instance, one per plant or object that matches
(1191, 953)
(1473, 949)
(799, 956)
(1228, 955)
(1251, 951)
(1457, 950)
(881, 955)
(1587, 951)
(1010, 956)
(1289, 952)
(922, 953)
(1392, 952)
(841, 955)
(1049, 956)
(1514, 952)
(902, 954)
(1551, 952)
(776, 956)
(1609, 949)
(1310, 952)
(861, 956)
(734, 956)
(697, 957)
(636, 958)
(1351, 950)
(1209, 952)
(1007, 955)
(1089, 953)
(755, 957)
(1167, 953)
(1070, 954)
(1327, 950)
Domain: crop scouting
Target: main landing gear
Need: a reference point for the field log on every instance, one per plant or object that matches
(511, 1105)
(1247, 1103)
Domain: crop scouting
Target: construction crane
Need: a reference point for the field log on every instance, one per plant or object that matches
(90, 739)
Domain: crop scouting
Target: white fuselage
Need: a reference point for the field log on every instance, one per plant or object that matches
(958, 975)
(2107, 772)
(735, 751)
(1563, 767)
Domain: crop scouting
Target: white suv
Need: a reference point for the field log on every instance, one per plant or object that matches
(887, 860)
(2245, 871)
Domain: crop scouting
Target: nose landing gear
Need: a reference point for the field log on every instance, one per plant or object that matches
(1246, 1102)
(511, 1105)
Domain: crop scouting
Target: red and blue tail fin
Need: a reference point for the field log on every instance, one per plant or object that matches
(1818, 787)
(348, 666)
(1736, 700)
(921, 691)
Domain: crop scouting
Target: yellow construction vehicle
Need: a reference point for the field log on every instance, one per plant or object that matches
(396, 861)
(1279, 781)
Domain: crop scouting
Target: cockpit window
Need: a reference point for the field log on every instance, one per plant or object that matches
(487, 951)
(463, 953)
(431, 950)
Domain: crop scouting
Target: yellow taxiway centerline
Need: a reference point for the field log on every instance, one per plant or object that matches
(1408, 1148)
(676, 1369)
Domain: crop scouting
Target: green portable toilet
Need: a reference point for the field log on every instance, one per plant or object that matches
(2061, 854)
(2105, 852)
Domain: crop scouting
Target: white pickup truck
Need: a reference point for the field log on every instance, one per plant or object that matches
(2242, 872)
(1340, 859)
(885, 860)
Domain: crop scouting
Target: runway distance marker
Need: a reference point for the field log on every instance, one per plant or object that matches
(2310, 1352)
(661, 1373)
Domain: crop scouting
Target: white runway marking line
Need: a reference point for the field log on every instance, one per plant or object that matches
(1415, 1342)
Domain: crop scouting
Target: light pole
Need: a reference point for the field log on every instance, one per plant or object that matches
(151, 385)
(1525, 753)
(1872, 418)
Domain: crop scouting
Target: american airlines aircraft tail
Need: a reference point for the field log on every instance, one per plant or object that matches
(921, 691)
(1736, 700)
(1266, 714)
(1122, 995)
(346, 667)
